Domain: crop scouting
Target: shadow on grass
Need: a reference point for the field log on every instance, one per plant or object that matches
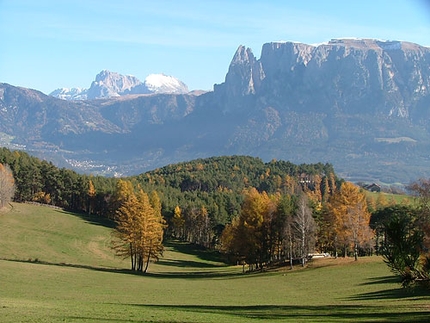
(227, 274)
(338, 313)
(393, 293)
(198, 251)
(383, 280)
(91, 219)
(174, 274)
(185, 263)
(63, 264)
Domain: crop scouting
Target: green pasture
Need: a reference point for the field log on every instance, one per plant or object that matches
(58, 267)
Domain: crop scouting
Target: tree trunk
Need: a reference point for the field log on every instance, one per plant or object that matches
(132, 257)
(355, 252)
(147, 261)
(303, 248)
(291, 252)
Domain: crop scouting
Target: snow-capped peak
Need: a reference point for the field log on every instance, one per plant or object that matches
(161, 83)
(70, 93)
(111, 84)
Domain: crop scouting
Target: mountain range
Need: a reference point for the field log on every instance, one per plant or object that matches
(362, 105)
(111, 84)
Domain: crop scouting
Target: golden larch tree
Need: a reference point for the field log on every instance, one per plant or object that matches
(350, 218)
(7, 185)
(178, 223)
(139, 229)
(91, 195)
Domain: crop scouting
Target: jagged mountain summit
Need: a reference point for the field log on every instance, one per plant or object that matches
(70, 93)
(109, 84)
(344, 75)
(362, 105)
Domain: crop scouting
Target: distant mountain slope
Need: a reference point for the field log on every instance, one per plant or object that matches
(110, 84)
(32, 117)
(361, 104)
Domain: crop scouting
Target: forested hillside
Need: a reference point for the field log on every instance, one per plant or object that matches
(217, 183)
(214, 183)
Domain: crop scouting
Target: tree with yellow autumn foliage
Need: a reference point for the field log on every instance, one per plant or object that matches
(91, 195)
(178, 223)
(7, 185)
(348, 219)
(139, 229)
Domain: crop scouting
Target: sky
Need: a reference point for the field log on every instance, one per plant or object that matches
(46, 45)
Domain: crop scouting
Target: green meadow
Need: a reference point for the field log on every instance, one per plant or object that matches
(57, 266)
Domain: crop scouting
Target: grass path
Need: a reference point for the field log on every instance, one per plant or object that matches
(77, 279)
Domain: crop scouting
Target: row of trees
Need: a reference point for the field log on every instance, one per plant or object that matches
(276, 227)
(269, 229)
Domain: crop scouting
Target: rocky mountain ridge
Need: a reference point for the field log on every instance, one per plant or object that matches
(362, 105)
(109, 84)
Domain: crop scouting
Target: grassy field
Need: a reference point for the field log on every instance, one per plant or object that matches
(58, 267)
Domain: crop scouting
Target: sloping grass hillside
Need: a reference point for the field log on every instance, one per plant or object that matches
(58, 267)
(43, 234)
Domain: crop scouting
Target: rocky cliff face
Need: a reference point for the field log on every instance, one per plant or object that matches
(110, 84)
(342, 76)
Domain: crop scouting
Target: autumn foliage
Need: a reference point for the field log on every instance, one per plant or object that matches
(346, 220)
(139, 226)
(7, 185)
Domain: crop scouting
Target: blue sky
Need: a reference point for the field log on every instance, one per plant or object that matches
(50, 44)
